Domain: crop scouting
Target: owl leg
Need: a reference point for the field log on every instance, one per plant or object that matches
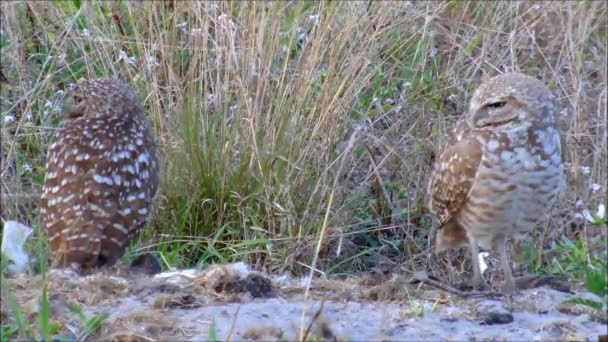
(478, 283)
(509, 285)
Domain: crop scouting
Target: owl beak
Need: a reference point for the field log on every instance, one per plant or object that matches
(476, 116)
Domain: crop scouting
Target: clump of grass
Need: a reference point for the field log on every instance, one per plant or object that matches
(43, 329)
(254, 103)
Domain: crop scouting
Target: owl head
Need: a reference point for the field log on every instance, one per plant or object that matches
(101, 98)
(509, 101)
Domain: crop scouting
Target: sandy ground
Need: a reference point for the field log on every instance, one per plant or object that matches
(232, 303)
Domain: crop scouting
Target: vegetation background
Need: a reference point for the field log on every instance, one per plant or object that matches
(300, 135)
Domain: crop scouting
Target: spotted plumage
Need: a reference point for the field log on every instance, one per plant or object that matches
(501, 170)
(102, 175)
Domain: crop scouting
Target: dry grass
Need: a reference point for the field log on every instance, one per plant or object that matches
(282, 120)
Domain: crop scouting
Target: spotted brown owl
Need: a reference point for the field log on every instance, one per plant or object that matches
(500, 172)
(102, 175)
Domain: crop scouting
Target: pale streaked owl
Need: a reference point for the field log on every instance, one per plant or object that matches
(500, 172)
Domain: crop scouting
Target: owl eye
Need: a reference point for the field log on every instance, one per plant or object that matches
(496, 105)
(78, 99)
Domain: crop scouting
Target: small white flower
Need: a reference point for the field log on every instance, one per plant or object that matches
(585, 170)
(122, 56)
(69, 23)
(152, 62)
(601, 212)
(85, 34)
(587, 216)
(482, 263)
(182, 26)
(314, 19)
(9, 118)
(28, 116)
(27, 167)
(595, 187)
(196, 32)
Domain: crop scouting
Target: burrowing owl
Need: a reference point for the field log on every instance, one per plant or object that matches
(102, 175)
(500, 172)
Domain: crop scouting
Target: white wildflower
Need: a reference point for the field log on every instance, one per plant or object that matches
(62, 58)
(595, 187)
(85, 33)
(9, 118)
(314, 19)
(196, 32)
(152, 62)
(225, 21)
(482, 263)
(301, 36)
(587, 216)
(122, 56)
(585, 170)
(601, 212)
(182, 26)
(28, 116)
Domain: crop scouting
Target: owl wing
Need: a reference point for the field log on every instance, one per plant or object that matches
(134, 165)
(66, 205)
(451, 183)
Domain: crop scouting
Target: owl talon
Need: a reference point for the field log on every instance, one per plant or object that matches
(148, 263)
